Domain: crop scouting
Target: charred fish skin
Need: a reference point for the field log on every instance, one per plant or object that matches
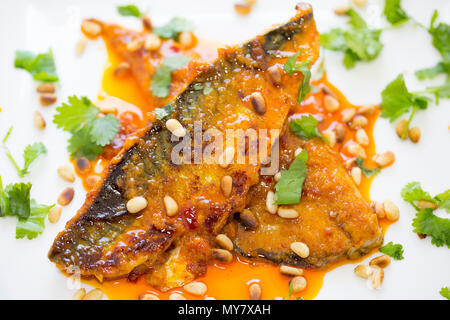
(106, 241)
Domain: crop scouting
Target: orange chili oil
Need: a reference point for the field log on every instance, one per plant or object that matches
(224, 281)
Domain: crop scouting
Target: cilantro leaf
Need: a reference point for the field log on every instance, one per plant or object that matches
(445, 292)
(427, 223)
(41, 67)
(413, 192)
(163, 112)
(162, 77)
(176, 62)
(129, 11)
(394, 12)
(432, 72)
(441, 37)
(81, 145)
(292, 66)
(104, 130)
(173, 28)
(305, 128)
(366, 171)
(288, 189)
(443, 200)
(393, 250)
(34, 225)
(72, 116)
(18, 196)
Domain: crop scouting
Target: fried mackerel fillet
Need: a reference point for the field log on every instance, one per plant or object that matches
(334, 220)
(106, 241)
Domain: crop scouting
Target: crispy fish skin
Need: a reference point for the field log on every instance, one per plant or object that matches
(334, 220)
(106, 241)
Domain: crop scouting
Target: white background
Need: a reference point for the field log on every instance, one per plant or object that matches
(25, 271)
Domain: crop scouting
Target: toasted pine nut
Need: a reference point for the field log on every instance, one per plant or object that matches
(243, 9)
(79, 294)
(258, 102)
(287, 213)
(348, 114)
(367, 110)
(382, 261)
(196, 288)
(222, 255)
(176, 296)
(298, 284)
(359, 3)
(227, 157)
(152, 42)
(66, 197)
(46, 87)
(254, 291)
(224, 242)
(136, 204)
(300, 249)
(377, 277)
(248, 219)
(186, 38)
(39, 121)
(356, 175)
(362, 138)
(80, 46)
(277, 176)
(359, 122)
(379, 210)
(226, 184)
(91, 28)
(341, 131)
(363, 271)
(414, 134)
(54, 214)
(66, 172)
(385, 158)
(330, 135)
(391, 210)
(401, 127)
(135, 45)
(122, 69)
(270, 203)
(291, 271)
(148, 296)
(356, 150)
(171, 206)
(147, 23)
(331, 104)
(92, 181)
(47, 99)
(174, 126)
(95, 294)
(341, 10)
(275, 74)
(83, 165)
(326, 90)
(424, 204)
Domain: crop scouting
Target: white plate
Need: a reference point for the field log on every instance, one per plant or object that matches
(25, 271)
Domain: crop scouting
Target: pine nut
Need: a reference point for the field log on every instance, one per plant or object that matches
(83, 165)
(356, 175)
(326, 90)
(171, 206)
(359, 122)
(414, 134)
(300, 249)
(350, 163)
(107, 108)
(287, 213)
(92, 181)
(243, 9)
(258, 102)
(254, 291)
(362, 138)
(135, 45)
(148, 296)
(330, 136)
(95, 294)
(91, 28)
(382, 261)
(379, 210)
(224, 242)
(298, 284)
(136, 204)
(341, 132)
(331, 104)
(222, 255)
(66, 172)
(66, 197)
(356, 150)
(122, 69)
(297, 152)
(348, 114)
(291, 271)
(147, 23)
(80, 46)
(342, 10)
(424, 204)
(46, 87)
(275, 74)
(359, 3)
(79, 294)
(367, 110)
(174, 126)
(39, 121)
(385, 158)
(401, 127)
(54, 214)
(186, 38)
(277, 176)
(391, 210)
(270, 203)
(152, 42)
(363, 271)
(227, 157)
(377, 277)
(226, 184)
(196, 288)
(47, 99)
(176, 296)
(248, 219)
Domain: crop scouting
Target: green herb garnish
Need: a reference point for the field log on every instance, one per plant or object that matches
(306, 127)
(394, 12)
(291, 66)
(288, 189)
(431, 225)
(445, 292)
(173, 28)
(367, 172)
(393, 250)
(162, 78)
(41, 67)
(129, 11)
(163, 112)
